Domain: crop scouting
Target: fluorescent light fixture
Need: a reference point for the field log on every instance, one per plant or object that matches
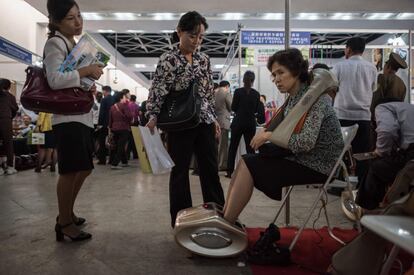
(140, 66)
(219, 66)
(228, 31)
(273, 16)
(163, 16)
(308, 16)
(125, 16)
(105, 31)
(244, 65)
(341, 16)
(233, 16)
(167, 31)
(135, 31)
(91, 16)
(405, 15)
(379, 16)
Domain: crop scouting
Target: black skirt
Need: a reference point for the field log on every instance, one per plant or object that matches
(75, 147)
(271, 174)
(49, 140)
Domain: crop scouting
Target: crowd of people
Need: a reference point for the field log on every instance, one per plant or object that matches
(386, 124)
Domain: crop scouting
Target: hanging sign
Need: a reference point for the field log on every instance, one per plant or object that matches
(253, 37)
(16, 52)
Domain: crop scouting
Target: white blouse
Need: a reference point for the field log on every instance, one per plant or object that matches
(55, 54)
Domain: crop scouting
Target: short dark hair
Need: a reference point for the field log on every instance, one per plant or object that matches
(133, 98)
(5, 84)
(356, 44)
(263, 97)
(57, 10)
(320, 66)
(293, 60)
(224, 83)
(190, 21)
(118, 96)
(107, 88)
(125, 91)
(249, 76)
(215, 85)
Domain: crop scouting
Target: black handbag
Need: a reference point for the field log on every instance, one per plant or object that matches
(180, 110)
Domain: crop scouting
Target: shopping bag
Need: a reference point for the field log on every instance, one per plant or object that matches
(158, 156)
(36, 138)
(142, 154)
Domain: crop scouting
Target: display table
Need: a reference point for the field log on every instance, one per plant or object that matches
(397, 229)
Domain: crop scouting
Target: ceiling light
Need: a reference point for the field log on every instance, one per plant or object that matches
(125, 16)
(163, 16)
(219, 66)
(378, 16)
(233, 16)
(341, 16)
(308, 16)
(105, 31)
(91, 16)
(228, 31)
(405, 15)
(135, 31)
(273, 16)
(140, 66)
(167, 31)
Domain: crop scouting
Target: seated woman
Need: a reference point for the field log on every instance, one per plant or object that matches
(314, 150)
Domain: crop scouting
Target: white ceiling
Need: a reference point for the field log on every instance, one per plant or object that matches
(213, 9)
(212, 6)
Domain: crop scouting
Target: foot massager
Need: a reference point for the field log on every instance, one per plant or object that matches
(202, 230)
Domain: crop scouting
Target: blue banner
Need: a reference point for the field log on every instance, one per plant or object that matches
(251, 37)
(16, 52)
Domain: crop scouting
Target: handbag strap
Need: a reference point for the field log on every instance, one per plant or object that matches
(64, 41)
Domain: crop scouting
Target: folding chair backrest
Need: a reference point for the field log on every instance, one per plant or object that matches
(348, 134)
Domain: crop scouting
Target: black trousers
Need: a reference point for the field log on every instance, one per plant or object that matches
(381, 174)
(119, 152)
(131, 147)
(6, 135)
(236, 134)
(102, 150)
(181, 146)
(360, 144)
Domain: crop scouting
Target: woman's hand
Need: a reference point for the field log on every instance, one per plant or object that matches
(259, 139)
(218, 129)
(151, 124)
(95, 71)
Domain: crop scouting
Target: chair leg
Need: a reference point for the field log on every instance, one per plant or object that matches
(330, 231)
(350, 189)
(287, 209)
(285, 198)
(307, 219)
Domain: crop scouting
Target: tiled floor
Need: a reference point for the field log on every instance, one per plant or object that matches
(128, 214)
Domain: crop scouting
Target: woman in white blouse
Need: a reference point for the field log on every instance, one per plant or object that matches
(73, 132)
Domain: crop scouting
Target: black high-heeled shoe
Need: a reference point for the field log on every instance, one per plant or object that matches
(78, 223)
(60, 235)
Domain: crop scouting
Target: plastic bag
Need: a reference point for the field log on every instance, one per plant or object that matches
(158, 156)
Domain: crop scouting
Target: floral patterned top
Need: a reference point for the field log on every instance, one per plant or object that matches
(174, 72)
(320, 142)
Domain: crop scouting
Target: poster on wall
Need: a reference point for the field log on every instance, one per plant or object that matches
(272, 37)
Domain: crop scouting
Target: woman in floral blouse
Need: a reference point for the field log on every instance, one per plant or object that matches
(175, 71)
(314, 150)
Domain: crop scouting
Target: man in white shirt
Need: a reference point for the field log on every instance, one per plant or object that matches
(357, 82)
